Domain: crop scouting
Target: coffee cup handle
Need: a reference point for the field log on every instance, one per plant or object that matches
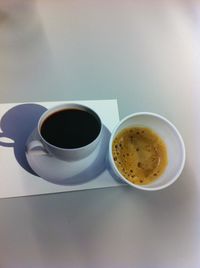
(37, 148)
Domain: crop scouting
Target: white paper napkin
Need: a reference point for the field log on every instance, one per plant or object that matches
(15, 179)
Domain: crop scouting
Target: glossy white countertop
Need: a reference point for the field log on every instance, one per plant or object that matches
(147, 55)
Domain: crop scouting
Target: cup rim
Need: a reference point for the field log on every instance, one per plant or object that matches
(179, 170)
(53, 109)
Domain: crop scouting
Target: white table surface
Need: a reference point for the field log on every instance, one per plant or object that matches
(147, 55)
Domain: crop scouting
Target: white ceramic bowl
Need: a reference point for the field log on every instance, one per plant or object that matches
(174, 142)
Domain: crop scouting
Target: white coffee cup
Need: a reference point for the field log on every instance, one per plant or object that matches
(172, 138)
(42, 146)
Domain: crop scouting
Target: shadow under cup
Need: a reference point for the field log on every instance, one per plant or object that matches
(69, 132)
(172, 138)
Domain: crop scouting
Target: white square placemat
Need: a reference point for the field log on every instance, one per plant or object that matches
(16, 181)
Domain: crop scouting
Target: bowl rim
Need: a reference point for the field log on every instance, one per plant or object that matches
(179, 137)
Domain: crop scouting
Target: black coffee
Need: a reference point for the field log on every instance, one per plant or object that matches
(70, 128)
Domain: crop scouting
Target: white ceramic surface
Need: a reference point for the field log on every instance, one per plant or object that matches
(174, 142)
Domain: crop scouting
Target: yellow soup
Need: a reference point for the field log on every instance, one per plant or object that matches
(140, 154)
